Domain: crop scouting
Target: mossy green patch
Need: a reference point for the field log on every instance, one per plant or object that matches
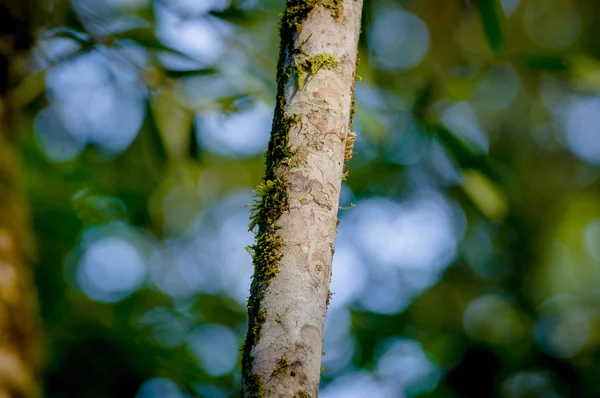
(281, 366)
(313, 64)
(255, 387)
(297, 11)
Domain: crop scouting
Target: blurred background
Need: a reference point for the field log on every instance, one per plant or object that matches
(467, 262)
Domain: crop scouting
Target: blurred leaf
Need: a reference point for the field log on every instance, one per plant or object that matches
(462, 153)
(148, 13)
(31, 88)
(95, 209)
(236, 15)
(231, 14)
(456, 146)
(176, 74)
(233, 103)
(584, 71)
(550, 63)
(220, 310)
(75, 35)
(460, 88)
(371, 122)
(488, 197)
(174, 123)
(492, 19)
(151, 139)
(422, 101)
(73, 20)
(146, 37)
(194, 146)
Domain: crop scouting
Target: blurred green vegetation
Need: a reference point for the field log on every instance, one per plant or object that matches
(468, 267)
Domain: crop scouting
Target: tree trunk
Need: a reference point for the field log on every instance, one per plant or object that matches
(296, 210)
(20, 336)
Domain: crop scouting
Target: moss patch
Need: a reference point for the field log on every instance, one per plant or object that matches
(281, 366)
(313, 64)
(255, 386)
(297, 11)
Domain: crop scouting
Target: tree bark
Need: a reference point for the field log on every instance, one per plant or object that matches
(20, 332)
(295, 213)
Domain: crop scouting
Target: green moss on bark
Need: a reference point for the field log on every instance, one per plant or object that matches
(255, 387)
(313, 64)
(297, 11)
(281, 366)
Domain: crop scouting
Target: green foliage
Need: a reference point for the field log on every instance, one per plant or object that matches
(493, 22)
(528, 206)
(145, 37)
(98, 209)
(174, 123)
(544, 63)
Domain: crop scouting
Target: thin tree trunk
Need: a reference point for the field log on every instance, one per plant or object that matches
(20, 336)
(296, 211)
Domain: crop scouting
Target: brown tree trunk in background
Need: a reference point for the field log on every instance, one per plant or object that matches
(20, 333)
(296, 211)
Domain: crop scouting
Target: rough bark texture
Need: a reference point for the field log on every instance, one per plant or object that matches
(20, 340)
(296, 209)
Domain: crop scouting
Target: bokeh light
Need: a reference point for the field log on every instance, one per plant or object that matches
(111, 269)
(498, 89)
(359, 384)
(582, 128)
(405, 365)
(159, 388)
(563, 328)
(510, 6)
(215, 259)
(399, 39)
(529, 384)
(202, 39)
(461, 119)
(468, 243)
(553, 23)
(240, 134)
(54, 139)
(98, 98)
(506, 328)
(338, 343)
(164, 326)
(216, 347)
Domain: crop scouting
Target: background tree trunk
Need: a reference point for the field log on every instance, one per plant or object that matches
(20, 332)
(296, 211)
